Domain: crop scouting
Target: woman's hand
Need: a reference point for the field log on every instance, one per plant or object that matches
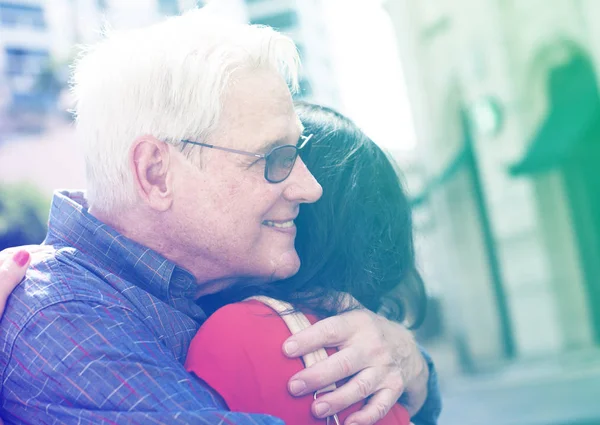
(13, 265)
(381, 356)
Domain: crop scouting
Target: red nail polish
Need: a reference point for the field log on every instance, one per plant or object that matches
(21, 258)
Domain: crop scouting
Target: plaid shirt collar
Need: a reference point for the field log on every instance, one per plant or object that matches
(71, 225)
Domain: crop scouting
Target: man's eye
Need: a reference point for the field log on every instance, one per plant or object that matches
(288, 162)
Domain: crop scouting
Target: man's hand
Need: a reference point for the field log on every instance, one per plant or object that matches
(381, 356)
(13, 264)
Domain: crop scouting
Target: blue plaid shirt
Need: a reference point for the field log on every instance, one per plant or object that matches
(98, 332)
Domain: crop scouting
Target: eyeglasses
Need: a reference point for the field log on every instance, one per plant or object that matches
(279, 162)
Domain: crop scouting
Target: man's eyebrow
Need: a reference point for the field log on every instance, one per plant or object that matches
(272, 145)
(279, 142)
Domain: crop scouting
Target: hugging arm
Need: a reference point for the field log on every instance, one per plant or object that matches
(93, 363)
(389, 361)
(383, 360)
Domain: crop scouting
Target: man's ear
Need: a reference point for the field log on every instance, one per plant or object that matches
(150, 159)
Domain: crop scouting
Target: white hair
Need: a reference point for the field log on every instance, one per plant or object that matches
(166, 80)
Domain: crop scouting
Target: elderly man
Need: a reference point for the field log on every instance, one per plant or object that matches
(100, 327)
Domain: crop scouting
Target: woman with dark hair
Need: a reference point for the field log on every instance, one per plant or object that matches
(356, 240)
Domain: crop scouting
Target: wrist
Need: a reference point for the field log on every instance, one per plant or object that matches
(417, 389)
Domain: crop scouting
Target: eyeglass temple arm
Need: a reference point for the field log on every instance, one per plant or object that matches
(206, 145)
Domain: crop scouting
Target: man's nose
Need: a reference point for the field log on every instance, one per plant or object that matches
(302, 186)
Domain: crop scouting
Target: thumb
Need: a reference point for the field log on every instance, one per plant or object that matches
(12, 271)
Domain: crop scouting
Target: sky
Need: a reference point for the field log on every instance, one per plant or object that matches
(369, 71)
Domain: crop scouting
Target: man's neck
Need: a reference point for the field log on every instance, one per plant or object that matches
(140, 227)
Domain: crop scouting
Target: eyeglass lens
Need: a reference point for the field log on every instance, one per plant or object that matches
(280, 162)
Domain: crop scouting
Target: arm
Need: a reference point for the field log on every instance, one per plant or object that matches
(422, 384)
(382, 357)
(90, 363)
(249, 370)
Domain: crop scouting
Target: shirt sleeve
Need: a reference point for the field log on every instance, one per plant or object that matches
(86, 363)
(431, 410)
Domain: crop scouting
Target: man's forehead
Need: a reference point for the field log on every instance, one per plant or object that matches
(291, 138)
(244, 107)
(258, 84)
(258, 111)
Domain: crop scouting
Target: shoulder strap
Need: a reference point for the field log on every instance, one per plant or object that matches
(297, 321)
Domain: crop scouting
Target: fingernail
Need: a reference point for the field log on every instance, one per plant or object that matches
(297, 386)
(21, 258)
(290, 347)
(322, 409)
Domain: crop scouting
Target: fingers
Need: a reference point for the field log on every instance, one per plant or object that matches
(334, 368)
(381, 354)
(12, 271)
(32, 249)
(376, 408)
(357, 389)
(330, 332)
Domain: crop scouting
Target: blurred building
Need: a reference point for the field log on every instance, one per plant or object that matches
(86, 18)
(24, 59)
(38, 42)
(304, 22)
(507, 111)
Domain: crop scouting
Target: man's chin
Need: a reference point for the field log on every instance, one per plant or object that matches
(287, 265)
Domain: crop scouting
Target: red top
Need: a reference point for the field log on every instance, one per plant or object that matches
(238, 352)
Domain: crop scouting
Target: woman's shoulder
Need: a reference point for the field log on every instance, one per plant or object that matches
(238, 352)
(248, 325)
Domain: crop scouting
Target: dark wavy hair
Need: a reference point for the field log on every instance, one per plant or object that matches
(357, 239)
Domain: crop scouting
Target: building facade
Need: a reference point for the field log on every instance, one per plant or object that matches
(25, 58)
(506, 108)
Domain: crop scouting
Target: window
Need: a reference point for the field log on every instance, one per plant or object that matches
(168, 7)
(281, 21)
(18, 15)
(21, 61)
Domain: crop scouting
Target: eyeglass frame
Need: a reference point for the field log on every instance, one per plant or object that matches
(305, 140)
